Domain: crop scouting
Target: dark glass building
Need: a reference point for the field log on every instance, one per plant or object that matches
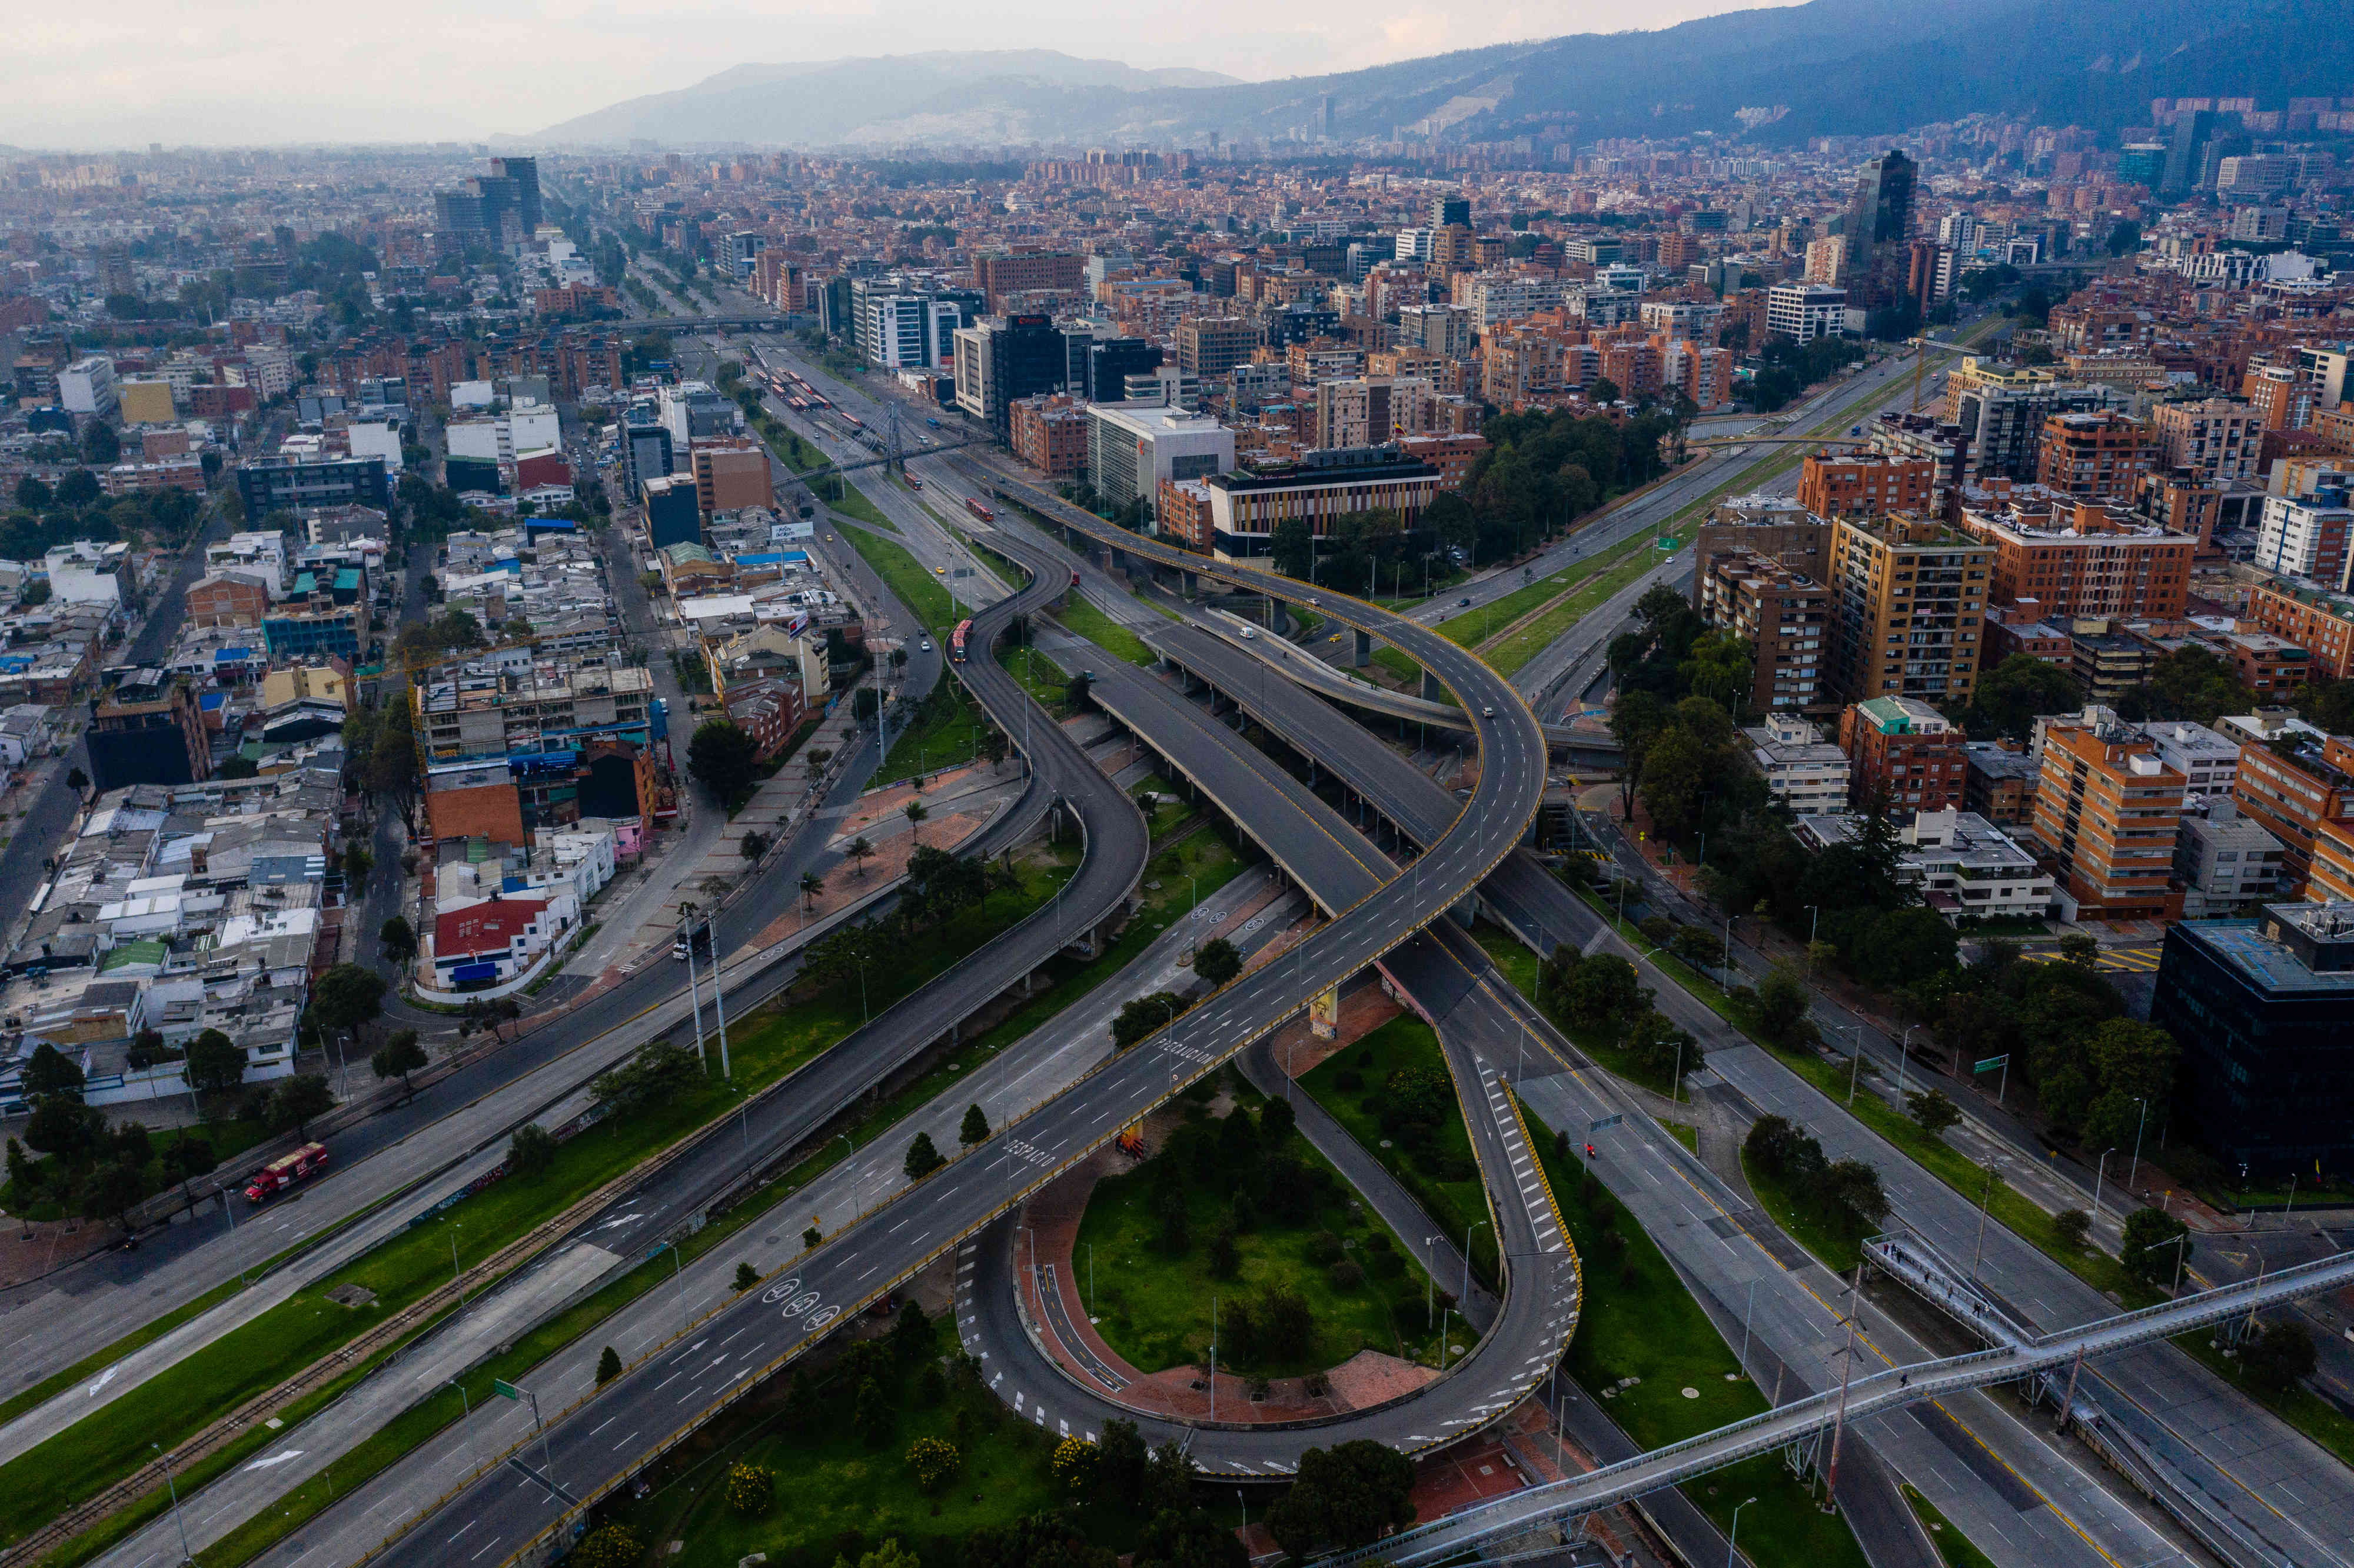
(2260, 1008)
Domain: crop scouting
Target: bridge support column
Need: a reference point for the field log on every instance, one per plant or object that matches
(1361, 649)
(1432, 690)
(1190, 584)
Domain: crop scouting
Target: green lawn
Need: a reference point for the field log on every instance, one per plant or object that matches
(1154, 1309)
(1085, 619)
(112, 1441)
(1638, 1320)
(1606, 1047)
(1627, 562)
(1398, 664)
(946, 729)
(1832, 1236)
(1039, 676)
(837, 1497)
(1442, 1176)
(1068, 979)
(921, 590)
(1473, 627)
(1952, 1545)
(851, 502)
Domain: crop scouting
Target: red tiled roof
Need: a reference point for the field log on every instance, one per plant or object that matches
(484, 927)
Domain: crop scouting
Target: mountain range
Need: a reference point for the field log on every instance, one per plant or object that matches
(1826, 67)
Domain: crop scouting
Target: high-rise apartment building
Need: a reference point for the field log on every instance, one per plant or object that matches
(1027, 271)
(2001, 414)
(2087, 560)
(1000, 361)
(2300, 789)
(1368, 410)
(2318, 620)
(2094, 457)
(2305, 531)
(2216, 439)
(1805, 312)
(2106, 809)
(1865, 485)
(1210, 346)
(730, 475)
(1450, 209)
(1446, 330)
(1785, 617)
(1132, 450)
(1910, 596)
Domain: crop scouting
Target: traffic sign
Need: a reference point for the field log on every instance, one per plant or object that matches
(505, 1389)
(1991, 1062)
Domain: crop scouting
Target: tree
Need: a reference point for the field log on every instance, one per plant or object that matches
(1122, 1460)
(652, 1077)
(812, 884)
(747, 1277)
(2011, 695)
(33, 495)
(1216, 961)
(1079, 693)
(51, 1072)
(1144, 1015)
(346, 998)
(398, 940)
(750, 1488)
(1190, 1538)
(357, 862)
(397, 1057)
(1933, 1110)
(860, 850)
(994, 747)
(2148, 1248)
(609, 1366)
(215, 1060)
(1605, 987)
(915, 811)
(871, 1418)
(975, 1129)
(66, 1129)
(299, 1098)
(112, 1190)
(1346, 1497)
(2279, 1356)
(238, 765)
(607, 1546)
(932, 1463)
(723, 759)
(100, 444)
(922, 1158)
(2073, 1227)
(530, 1152)
(76, 780)
(1854, 1188)
(1782, 1003)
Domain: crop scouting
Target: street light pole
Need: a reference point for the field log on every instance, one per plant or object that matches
(2103, 1170)
(1467, 1258)
(1735, 1533)
(686, 917)
(172, 1484)
(467, 1406)
(2134, 1174)
(718, 1010)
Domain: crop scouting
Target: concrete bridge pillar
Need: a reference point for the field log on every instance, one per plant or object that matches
(1432, 690)
(1190, 584)
(1361, 649)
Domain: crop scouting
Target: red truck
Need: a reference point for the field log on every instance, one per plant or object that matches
(285, 1171)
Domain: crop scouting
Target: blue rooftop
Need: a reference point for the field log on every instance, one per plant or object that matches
(2266, 962)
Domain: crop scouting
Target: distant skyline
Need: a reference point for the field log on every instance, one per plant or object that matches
(217, 73)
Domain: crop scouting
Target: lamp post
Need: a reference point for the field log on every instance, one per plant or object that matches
(1746, 1311)
(2103, 1170)
(2134, 1174)
(686, 929)
(1735, 1534)
(178, 1518)
(466, 1406)
(719, 1009)
(1466, 1257)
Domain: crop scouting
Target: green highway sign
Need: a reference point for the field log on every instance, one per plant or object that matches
(1991, 1062)
(505, 1389)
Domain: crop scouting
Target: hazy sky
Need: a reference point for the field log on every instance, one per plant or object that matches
(241, 71)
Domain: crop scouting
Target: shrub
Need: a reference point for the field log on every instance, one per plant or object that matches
(1323, 1247)
(608, 1546)
(750, 1488)
(934, 1462)
(2072, 1227)
(609, 1366)
(1347, 1276)
(1349, 1078)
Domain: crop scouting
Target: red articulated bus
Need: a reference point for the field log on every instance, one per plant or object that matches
(285, 1171)
(978, 509)
(957, 639)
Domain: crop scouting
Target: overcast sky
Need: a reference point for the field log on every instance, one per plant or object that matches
(243, 71)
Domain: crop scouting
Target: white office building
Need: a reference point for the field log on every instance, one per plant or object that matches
(1805, 312)
(912, 332)
(87, 386)
(1132, 449)
(2208, 760)
(2295, 530)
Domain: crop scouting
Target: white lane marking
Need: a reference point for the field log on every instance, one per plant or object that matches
(275, 1459)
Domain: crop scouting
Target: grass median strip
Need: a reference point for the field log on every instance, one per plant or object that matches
(184, 1399)
(1954, 1548)
(922, 591)
(1085, 619)
(1473, 626)
(1619, 566)
(1067, 982)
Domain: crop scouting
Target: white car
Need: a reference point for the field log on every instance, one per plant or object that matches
(926, 645)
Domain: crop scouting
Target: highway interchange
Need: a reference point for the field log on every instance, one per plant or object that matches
(1382, 916)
